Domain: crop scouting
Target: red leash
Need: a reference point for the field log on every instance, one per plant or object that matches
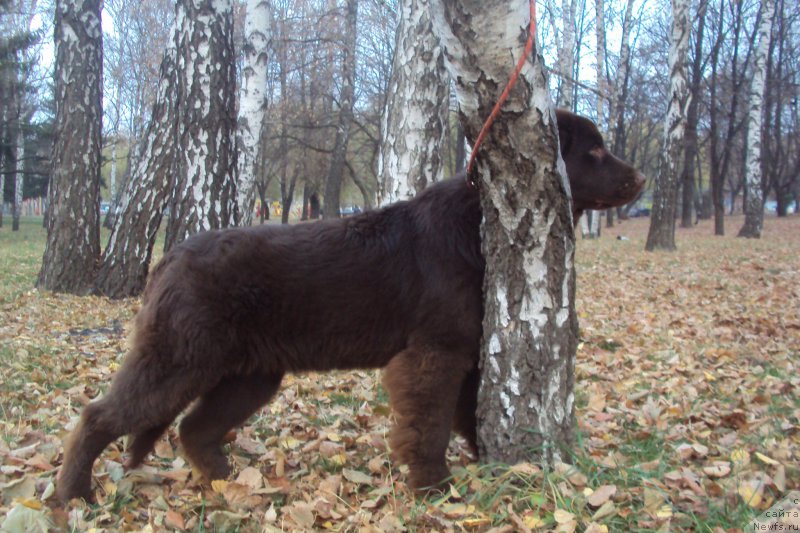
(506, 92)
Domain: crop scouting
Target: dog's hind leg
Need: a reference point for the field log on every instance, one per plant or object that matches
(143, 399)
(466, 422)
(221, 409)
(142, 443)
(423, 386)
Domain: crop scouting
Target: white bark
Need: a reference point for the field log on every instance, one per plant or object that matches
(20, 177)
(126, 259)
(73, 227)
(590, 224)
(602, 80)
(566, 55)
(754, 204)
(530, 327)
(252, 102)
(662, 221)
(204, 195)
(620, 79)
(415, 119)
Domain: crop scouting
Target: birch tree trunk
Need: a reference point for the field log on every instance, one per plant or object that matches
(692, 117)
(19, 177)
(620, 96)
(526, 402)
(126, 259)
(415, 118)
(661, 235)
(754, 201)
(602, 92)
(252, 102)
(204, 195)
(566, 55)
(333, 182)
(73, 222)
(600, 71)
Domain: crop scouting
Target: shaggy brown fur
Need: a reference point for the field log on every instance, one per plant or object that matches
(227, 313)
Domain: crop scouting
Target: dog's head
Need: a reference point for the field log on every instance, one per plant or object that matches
(598, 179)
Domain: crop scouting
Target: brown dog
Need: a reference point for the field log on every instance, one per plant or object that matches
(597, 178)
(227, 313)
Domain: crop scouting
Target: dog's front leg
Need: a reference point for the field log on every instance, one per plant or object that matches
(423, 385)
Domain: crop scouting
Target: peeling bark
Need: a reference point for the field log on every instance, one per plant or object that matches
(566, 55)
(661, 235)
(127, 256)
(204, 194)
(252, 102)
(73, 220)
(754, 198)
(526, 402)
(415, 119)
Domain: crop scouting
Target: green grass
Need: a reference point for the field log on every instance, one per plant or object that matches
(20, 256)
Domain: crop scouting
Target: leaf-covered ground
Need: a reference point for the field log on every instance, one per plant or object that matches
(688, 411)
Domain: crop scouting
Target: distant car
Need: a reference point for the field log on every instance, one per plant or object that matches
(639, 212)
(350, 210)
(104, 207)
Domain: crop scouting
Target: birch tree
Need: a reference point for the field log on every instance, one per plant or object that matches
(620, 92)
(73, 228)
(661, 235)
(19, 179)
(754, 200)
(602, 95)
(126, 259)
(566, 55)
(526, 400)
(252, 101)
(204, 195)
(415, 118)
(692, 118)
(333, 182)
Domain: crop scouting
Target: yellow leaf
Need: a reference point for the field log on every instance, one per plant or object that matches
(767, 460)
(740, 457)
(751, 494)
(32, 504)
(533, 522)
(664, 512)
(339, 459)
(457, 510)
(475, 523)
(219, 485)
(289, 443)
(110, 488)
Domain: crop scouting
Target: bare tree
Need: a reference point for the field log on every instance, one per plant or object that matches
(415, 118)
(754, 201)
(333, 181)
(566, 55)
(73, 228)
(526, 401)
(661, 235)
(692, 118)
